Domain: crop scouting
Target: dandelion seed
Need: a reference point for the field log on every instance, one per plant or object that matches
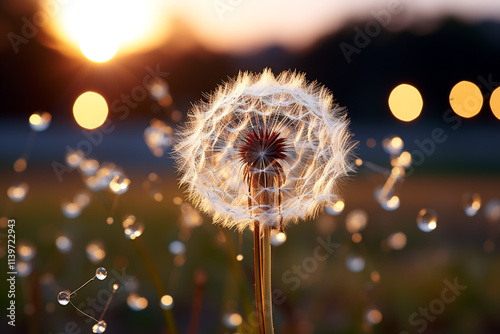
(265, 149)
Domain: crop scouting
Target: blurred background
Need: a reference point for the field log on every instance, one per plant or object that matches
(92, 94)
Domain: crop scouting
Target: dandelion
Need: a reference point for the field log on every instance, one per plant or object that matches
(262, 153)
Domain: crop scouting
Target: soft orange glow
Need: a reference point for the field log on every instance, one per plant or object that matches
(101, 29)
(405, 102)
(466, 99)
(495, 102)
(20, 165)
(90, 110)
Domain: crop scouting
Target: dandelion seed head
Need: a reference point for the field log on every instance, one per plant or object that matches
(282, 133)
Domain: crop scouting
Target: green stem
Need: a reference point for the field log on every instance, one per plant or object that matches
(155, 277)
(266, 280)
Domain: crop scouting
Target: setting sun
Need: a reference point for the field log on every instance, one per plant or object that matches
(102, 29)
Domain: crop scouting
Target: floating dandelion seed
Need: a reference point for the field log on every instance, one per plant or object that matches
(64, 298)
(282, 135)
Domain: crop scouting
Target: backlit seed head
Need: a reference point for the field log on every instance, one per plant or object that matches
(264, 148)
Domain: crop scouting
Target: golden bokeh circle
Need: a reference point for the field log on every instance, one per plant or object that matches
(466, 99)
(405, 102)
(90, 110)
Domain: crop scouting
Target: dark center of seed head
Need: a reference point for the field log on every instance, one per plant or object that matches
(262, 148)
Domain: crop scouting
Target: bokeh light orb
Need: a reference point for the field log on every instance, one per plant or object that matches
(427, 220)
(90, 110)
(466, 99)
(495, 102)
(405, 102)
(166, 302)
(40, 121)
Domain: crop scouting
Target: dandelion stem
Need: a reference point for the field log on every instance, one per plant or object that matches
(266, 280)
(258, 277)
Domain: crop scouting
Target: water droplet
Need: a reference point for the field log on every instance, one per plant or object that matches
(388, 201)
(63, 297)
(119, 185)
(492, 211)
(101, 273)
(336, 208)
(190, 216)
(132, 228)
(277, 238)
(396, 241)
(356, 220)
(23, 268)
(232, 320)
(18, 192)
(103, 177)
(95, 251)
(89, 166)
(26, 250)
(393, 145)
(40, 121)
(355, 263)
(63, 243)
(177, 247)
(74, 158)
(71, 210)
(158, 136)
(166, 302)
(471, 203)
(373, 316)
(136, 303)
(427, 220)
(20, 165)
(100, 327)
